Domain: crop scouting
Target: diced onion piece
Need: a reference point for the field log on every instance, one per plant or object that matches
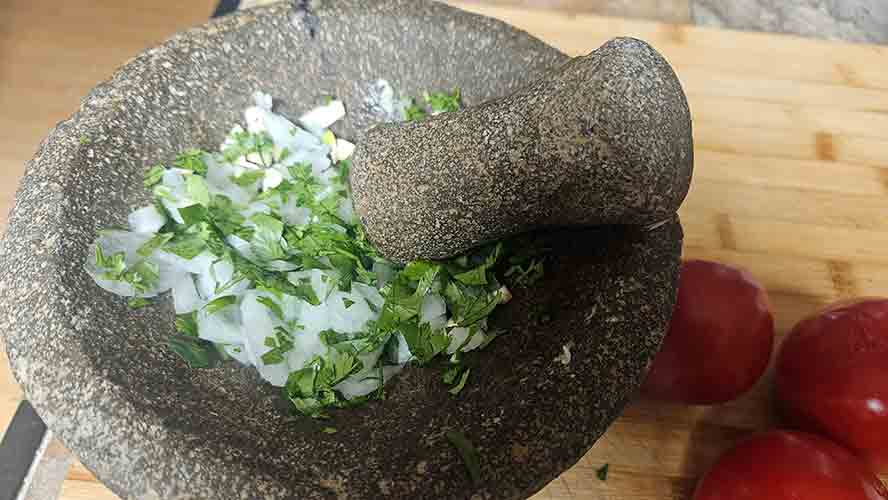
(322, 117)
(146, 220)
(342, 150)
(272, 179)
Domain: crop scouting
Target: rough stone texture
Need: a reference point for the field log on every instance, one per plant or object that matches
(151, 428)
(601, 139)
(672, 11)
(851, 20)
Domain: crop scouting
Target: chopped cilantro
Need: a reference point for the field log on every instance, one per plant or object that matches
(246, 145)
(192, 214)
(280, 344)
(248, 178)
(414, 112)
(138, 302)
(195, 352)
(272, 306)
(186, 324)
(156, 241)
(220, 303)
(267, 241)
(443, 102)
(185, 245)
(113, 264)
(451, 374)
(142, 276)
(192, 159)
(462, 382)
(153, 176)
(197, 189)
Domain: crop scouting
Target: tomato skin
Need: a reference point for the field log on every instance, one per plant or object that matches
(832, 377)
(783, 465)
(720, 337)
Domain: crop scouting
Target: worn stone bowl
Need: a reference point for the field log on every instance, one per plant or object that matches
(150, 428)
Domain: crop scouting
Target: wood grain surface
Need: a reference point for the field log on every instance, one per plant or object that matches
(791, 182)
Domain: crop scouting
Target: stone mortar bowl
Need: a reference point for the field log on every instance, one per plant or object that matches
(150, 428)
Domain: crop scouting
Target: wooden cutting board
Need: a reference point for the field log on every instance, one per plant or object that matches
(791, 182)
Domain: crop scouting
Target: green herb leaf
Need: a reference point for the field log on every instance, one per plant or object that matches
(470, 304)
(192, 159)
(451, 374)
(138, 302)
(470, 456)
(332, 337)
(462, 382)
(220, 303)
(248, 178)
(153, 176)
(266, 241)
(192, 214)
(272, 357)
(477, 276)
(186, 324)
(162, 192)
(195, 352)
(424, 343)
(329, 430)
(417, 269)
(413, 112)
(280, 344)
(443, 102)
(273, 306)
(187, 246)
(246, 143)
(143, 276)
(156, 241)
(527, 274)
(301, 383)
(302, 289)
(197, 189)
(114, 264)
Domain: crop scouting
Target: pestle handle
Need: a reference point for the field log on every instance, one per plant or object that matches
(602, 139)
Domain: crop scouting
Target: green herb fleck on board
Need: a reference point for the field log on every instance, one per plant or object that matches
(601, 472)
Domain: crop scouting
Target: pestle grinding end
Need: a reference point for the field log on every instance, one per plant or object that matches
(602, 139)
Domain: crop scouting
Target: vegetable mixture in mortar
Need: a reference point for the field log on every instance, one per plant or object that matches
(268, 265)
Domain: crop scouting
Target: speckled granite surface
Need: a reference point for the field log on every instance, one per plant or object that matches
(850, 20)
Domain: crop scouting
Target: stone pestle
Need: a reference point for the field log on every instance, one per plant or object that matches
(602, 139)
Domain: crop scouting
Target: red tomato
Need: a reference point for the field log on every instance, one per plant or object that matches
(832, 376)
(720, 337)
(781, 465)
